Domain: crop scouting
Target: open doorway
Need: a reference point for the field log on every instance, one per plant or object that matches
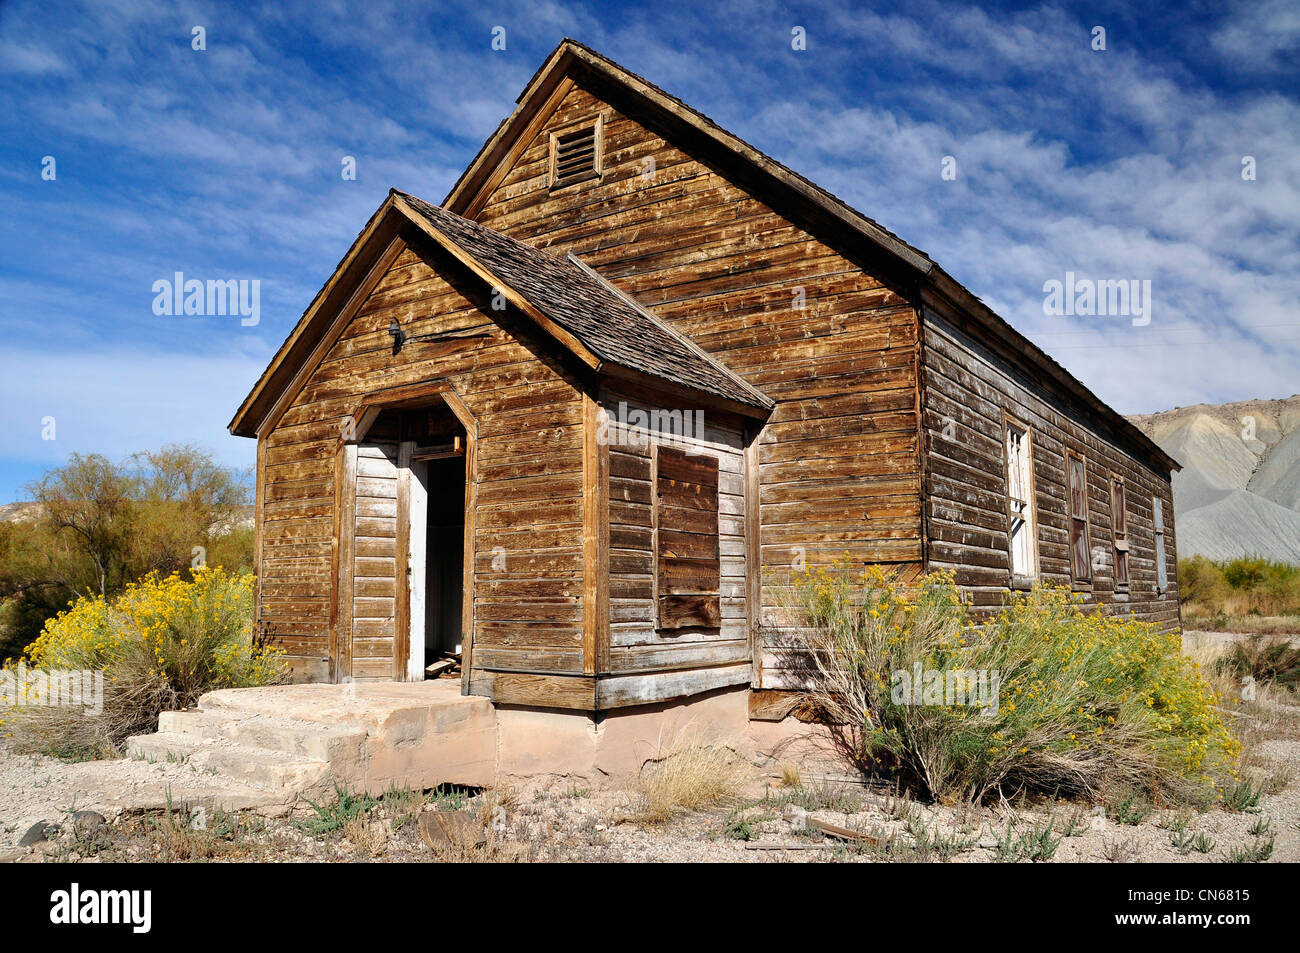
(436, 444)
(445, 559)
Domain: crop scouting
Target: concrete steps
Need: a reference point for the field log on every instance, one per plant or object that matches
(259, 768)
(295, 738)
(271, 747)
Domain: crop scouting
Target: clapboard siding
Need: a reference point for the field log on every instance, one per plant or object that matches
(636, 644)
(967, 389)
(528, 521)
(836, 348)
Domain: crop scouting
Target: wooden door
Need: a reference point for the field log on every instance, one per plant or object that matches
(375, 588)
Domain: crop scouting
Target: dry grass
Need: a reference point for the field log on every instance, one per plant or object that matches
(1271, 715)
(1265, 658)
(63, 732)
(1197, 617)
(690, 776)
(367, 835)
(184, 834)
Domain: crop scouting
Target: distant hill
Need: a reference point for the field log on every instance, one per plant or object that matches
(17, 512)
(1239, 491)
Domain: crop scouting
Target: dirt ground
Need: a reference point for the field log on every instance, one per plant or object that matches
(767, 820)
(764, 819)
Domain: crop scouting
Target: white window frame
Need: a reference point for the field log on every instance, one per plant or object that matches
(1022, 516)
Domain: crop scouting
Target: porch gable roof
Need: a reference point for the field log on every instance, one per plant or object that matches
(601, 326)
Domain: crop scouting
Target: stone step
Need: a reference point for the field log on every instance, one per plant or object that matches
(259, 767)
(209, 794)
(299, 739)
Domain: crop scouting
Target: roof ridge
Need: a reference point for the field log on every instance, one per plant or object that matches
(820, 202)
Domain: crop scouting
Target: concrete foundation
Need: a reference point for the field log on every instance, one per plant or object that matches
(289, 741)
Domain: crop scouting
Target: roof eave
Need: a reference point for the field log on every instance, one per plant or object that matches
(247, 421)
(966, 302)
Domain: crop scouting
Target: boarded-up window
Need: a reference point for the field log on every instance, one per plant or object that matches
(1119, 523)
(1021, 530)
(687, 567)
(575, 155)
(1162, 573)
(1077, 477)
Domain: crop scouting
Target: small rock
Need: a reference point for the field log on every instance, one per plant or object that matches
(439, 828)
(73, 857)
(87, 822)
(988, 842)
(35, 834)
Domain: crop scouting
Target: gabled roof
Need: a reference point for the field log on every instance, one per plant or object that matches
(599, 325)
(608, 323)
(812, 207)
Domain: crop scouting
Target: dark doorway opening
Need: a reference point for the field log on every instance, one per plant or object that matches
(445, 562)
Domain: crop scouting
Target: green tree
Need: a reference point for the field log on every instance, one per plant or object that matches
(99, 525)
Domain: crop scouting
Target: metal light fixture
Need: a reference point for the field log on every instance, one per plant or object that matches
(397, 334)
(400, 336)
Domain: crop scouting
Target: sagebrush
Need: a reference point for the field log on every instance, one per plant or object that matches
(160, 645)
(1084, 702)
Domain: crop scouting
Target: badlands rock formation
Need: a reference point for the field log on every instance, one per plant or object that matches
(1239, 490)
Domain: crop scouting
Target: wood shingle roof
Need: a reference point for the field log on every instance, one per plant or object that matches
(607, 322)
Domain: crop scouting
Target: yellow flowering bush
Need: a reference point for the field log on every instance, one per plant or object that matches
(1043, 696)
(161, 643)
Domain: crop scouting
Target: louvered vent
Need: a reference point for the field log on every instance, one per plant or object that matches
(575, 156)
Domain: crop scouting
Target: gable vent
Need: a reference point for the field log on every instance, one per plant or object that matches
(575, 155)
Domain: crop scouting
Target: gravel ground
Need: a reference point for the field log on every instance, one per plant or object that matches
(36, 788)
(568, 823)
(764, 823)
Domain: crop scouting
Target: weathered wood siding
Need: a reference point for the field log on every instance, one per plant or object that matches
(528, 517)
(966, 389)
(838, 460)
(374, 560)
(636, 644)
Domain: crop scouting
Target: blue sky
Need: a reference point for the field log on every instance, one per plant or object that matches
(1123, 163)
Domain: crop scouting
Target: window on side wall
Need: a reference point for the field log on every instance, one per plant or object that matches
(687, 563)
(1077, 479)
(1119, 525)
(1022, 529)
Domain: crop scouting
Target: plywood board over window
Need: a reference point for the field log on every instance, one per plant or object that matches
(1077, 480)
(687, 557)
(1119, 527)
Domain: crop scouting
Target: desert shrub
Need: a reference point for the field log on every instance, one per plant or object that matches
(1266, 659)
(1078, 702)
(94, 524)
(1248, 585)
(160, 645)
(691, 775)
(1201, 583)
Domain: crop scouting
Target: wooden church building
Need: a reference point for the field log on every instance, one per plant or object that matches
(560, 426)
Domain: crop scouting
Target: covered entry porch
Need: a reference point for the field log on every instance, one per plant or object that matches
(404, 584)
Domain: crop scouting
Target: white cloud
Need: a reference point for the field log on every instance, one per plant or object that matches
(118, 402)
